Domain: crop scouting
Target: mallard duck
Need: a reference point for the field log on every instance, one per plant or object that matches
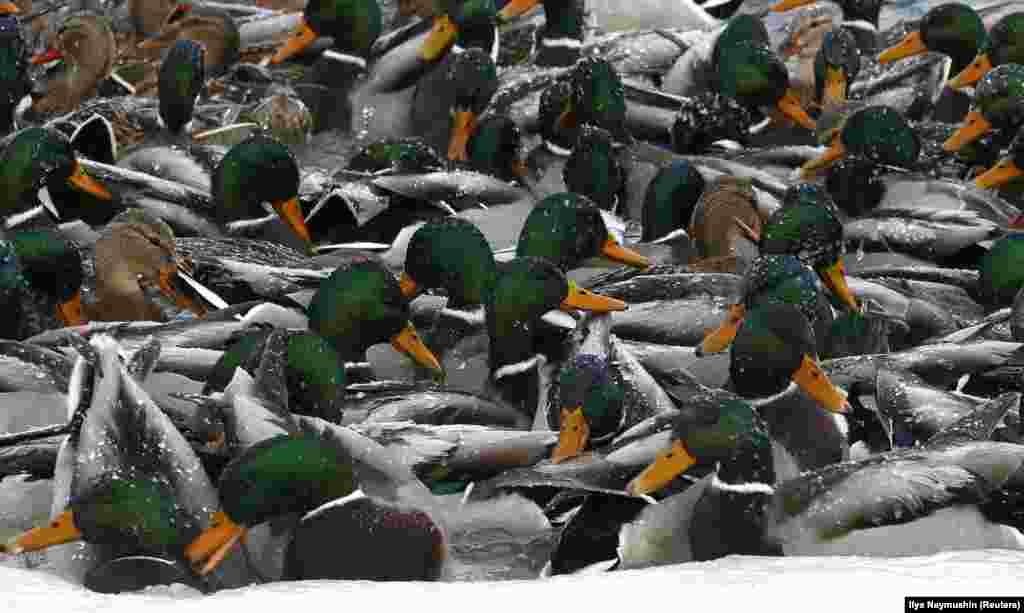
(32, 160)
(461, 24)
(87, 47)
(150, 16)
(42, 279)
(877, 133)
(14, 76)
(1000, 270)
(126, 479)
(874, 506)
(724, 223)
(671, 197)
(215, 30)
(953, 29)
(559, 42)
(568, 228)
(997, 106)
(829, 68)
(354, 24)
(1001, 46)
(135, 251)
(494, 148)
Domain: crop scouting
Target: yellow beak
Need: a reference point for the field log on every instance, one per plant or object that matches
(408, 342)
(573, 435)
(834, 92)
(1000, 174)
(666, 467)
(834, 278)
(816, 383)
(441, 36)
(586, 300)
(974, 127)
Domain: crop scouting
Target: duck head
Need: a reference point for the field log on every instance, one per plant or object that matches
(34, 158)
(474, 79)
(1003, 45)
(136, 248)
(708, 117)
(51, 264)
(597, 98)
(878, 133)
(593, 168)
(1002, 270)
(87, 46)
(257, 170)
(274, 477)
(466, 23)
(590, 405)
(808, 226)
(150, 16)
(727, 430)
(836, 65)
(181, 79)
(775, 347)
(1008, 168)
(451, 254)
(998, 105)
(953, 29)
(756, 77)
(566, 229)
(354, 25)
(361, 304)
(670, 198)
(770, 279)
(214, 30)
(494, 148)
(560, 40)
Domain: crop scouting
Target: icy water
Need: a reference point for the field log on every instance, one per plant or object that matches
(497, 566)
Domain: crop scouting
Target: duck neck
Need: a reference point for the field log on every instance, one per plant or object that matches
(560, 41)
(514, 362)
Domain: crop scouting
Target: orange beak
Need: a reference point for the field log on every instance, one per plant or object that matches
(816, 383)
(515, 8)
(586, 300)
(573, 435)
(973, 73)
(214, 544)
(442, 36)
(84, 183)
(290, 212)
(666, 467)
(300, 39)
(408, 341)
(1000, 174)
(9, 8)
(911, 45)
(463, 126)
(59, 531)
(834, 278)
(409, 287)
(167, 276)
(974, 127)
(70, 311)
(617, 253)
(789, 105)
(835, 152)
(722, 337)
(788, 5)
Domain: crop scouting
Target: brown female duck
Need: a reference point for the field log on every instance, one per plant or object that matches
(87, 46)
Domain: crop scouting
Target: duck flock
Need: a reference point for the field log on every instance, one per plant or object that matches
(748, 282)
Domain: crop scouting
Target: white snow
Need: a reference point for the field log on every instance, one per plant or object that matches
(835, 584)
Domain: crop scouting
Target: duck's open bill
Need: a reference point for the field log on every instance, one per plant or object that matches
(789, 105)
(408, 286)
(213, 545)
(617, 253)
(296, 43)
(178, 11)
(666, 467)
(911, 45)
(721, 338)
(835, 152)
(70, 311)
(9, 8)
(463, 126)
(586, 300)
(573, 435)
(59, 531)
(441, 36)
(84, 183)
(788, 5)
(973, 73)
(290, 212)
(515, 8)
(974, 127)
(816, 383)
(168, 287)
(835, 86)
(834, 278)
(1000, 174)
(408, 341)
(47, 56)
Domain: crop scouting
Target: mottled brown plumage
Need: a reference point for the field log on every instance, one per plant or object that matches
(725, 223)
(87, 45)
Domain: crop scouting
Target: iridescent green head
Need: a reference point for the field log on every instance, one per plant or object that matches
(13, 70)
(314, 371)
(593, 169)
(706, 118)
(882, 135)
(587, 382)
(752, 74)
(137, 509)
(781, 279)
(181, 80)
(740, 30)
(565, 229)
(807, 225)
(12, 278)
(769, 349)
(50, 262)
(494, 148)
(35, 158)
(953, 29)
(999, 97)
(354, 24)
(1002, 270)
(525, 289)
(451, 254)
(475, 20)
(598, 97)
(1005, 41)
(670, 199)
(555, 102)
(401, 155)
(282, 475)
